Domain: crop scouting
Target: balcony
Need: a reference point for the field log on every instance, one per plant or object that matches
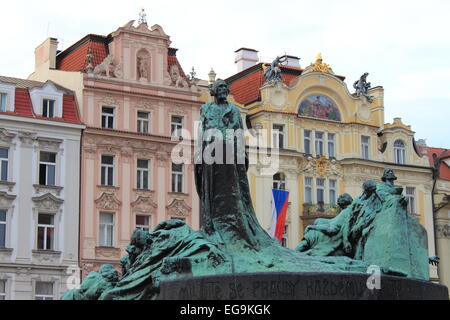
(321, 209)
(311, 212)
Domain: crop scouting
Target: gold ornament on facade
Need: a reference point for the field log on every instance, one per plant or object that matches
(322, 166)
(319, 66)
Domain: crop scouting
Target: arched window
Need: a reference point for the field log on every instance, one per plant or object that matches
(399, 151)
(279, 181)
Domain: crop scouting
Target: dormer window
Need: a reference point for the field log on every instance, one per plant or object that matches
(48, 108)
(399, 151)
(3, 96)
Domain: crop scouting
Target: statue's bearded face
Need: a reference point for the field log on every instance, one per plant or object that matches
(222, 91)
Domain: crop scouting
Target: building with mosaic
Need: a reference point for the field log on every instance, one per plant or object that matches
(330, 141)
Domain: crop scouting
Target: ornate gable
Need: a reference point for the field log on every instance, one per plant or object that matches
(6, 137)
(108, 201)
(144, 205)
(47, 202)
(178, 208)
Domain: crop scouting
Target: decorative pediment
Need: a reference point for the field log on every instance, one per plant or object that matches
(27, 138)
(109, 100)
(49, 144)
(144, 205)
(47, 202)
(178, 208)
(145, 105)
(6, 136)
(6, 200)
(108, 201)
(177, 110)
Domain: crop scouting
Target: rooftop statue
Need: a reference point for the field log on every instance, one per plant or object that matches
(374, 229)
(362, 87)
(273, 72)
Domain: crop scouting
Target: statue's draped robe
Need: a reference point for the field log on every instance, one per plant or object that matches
(227, 212)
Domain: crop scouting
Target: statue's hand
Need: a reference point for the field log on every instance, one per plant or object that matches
(347, 247)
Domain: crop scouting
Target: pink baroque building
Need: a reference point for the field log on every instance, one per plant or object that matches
(133, 96)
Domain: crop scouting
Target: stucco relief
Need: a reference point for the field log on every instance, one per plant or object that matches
(178, 208)
(110, 149)
(109, 100)
(6, 137)
(48, 189)
(46, 257)
(47, 203)
(108, 201)
(177, 79)
(49, 144)
(6, 200)
(145, 105)
(443, 231)
(144, 205)
(127, 155)
(322, 167)
(90, 152)
(177, 110)
(27, 138)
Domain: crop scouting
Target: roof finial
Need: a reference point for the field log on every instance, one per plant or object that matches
(142, 17)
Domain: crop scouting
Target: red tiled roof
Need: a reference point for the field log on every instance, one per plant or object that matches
(172, 59)
(74, 58)
(444, 154)
(246, 88)
(23, 106)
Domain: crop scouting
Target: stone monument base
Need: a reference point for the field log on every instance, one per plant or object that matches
(299, 286)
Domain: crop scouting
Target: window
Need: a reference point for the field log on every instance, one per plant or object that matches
(308, 190)
(365, 147)
(176, 126)
(278, 136)
(3, 97)
(43, 291)
(319, 144)
(177, 178)
(142, 174)
(279, 181)
(143, 122)
(143, 223)
(45, 232)
(107, 171)
(107, 117)
(399, 151)
(106, 229)
(2, 228)
(320, 190)
(48, 108)
(307, 142)
(4, 164)
(2, 289)
(411, 198)
(331, 151)
(285, 238)
(47, 169)
(333, 192)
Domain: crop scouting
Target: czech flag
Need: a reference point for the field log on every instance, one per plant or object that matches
(280, 203)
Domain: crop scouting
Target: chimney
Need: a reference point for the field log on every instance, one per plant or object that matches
(293, 61)
(245, 58)
(45, 54)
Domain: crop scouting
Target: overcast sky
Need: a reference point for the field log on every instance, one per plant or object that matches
(404, 45)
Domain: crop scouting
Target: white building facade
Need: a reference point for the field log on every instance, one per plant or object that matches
(40, 134)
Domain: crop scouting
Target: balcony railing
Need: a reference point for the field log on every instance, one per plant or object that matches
(321, 209)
